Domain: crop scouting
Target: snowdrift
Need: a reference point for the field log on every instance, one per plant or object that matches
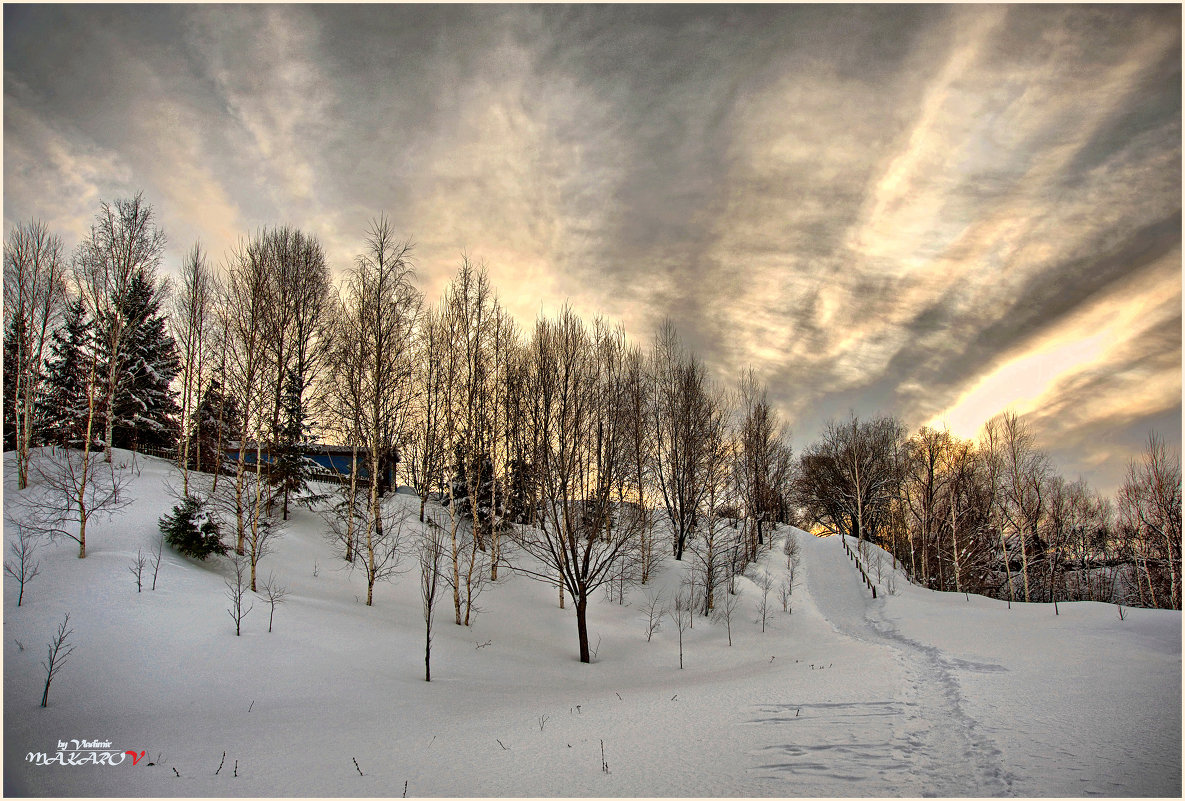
(915, 693)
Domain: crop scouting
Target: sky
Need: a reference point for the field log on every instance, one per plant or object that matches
(937, 212)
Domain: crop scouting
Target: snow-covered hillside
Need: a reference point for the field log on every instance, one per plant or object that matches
(914, 693)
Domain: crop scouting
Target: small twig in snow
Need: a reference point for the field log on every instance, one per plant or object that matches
(356, 766)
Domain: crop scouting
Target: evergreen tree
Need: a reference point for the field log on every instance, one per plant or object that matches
(191, 531)
(63, 402)
(520, 493)
(480, 469)
(11, 338)
(216, 420)
(290, 469)
(145, 408)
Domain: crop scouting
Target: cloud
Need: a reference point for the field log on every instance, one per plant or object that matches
(935, 211)
(52, 173)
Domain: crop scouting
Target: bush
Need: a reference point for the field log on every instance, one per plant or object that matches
(182, 531)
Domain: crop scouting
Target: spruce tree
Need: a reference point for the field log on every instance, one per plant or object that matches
(216, 421)
(145, 408)
(290, 469)
(63, 401)
(11, 338)
(191, 531)
(478, 469)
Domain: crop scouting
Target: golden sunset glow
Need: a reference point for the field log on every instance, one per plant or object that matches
(939, 212)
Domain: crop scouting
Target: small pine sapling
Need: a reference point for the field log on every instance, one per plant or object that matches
(182, 530)
(22, 567)
(57, 653)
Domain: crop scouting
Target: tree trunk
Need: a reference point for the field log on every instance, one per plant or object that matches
(372, 525)
(582, 627)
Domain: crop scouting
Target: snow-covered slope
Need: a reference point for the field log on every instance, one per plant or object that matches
(915, 693)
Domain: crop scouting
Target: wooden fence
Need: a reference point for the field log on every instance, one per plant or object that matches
(859, 565)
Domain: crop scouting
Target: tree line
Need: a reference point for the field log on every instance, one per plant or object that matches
(588, 457)
(562, 451)
(992, 516)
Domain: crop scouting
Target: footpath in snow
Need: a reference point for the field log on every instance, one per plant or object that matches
(912, 694)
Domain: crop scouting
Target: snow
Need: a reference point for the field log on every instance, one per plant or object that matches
(915, 693)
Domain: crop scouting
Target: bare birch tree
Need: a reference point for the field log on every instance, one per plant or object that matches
(581, 445)
(34, 295)
(1150, 506)
(124, 241)
(192, 320)
(382, 307)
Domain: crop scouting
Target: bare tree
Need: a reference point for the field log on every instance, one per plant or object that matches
(343, 404)
(137, 569)
(236, 592)
(724, 611)
(1026, 474)
(655, 612)
(426, 450)
(160, 547)
(124, 243)
(381, 310)
(1150, 506)
(678, 413)
(848, 479)
(682, 614)
(578, 381)
(77, 483)
(275, 594)
(57, 652)
(763, 450)
(991, 448)
(23, 567)
(637, 475)
(711, 542)
(470, 314)
(431, 556)
(792, 549)
(384, 546)
(786, 590)
(34, 294)
(765, 584)
(244, 308)
(192, 320)
(297, 321)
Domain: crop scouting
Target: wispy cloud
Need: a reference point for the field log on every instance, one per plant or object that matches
(938, 211)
